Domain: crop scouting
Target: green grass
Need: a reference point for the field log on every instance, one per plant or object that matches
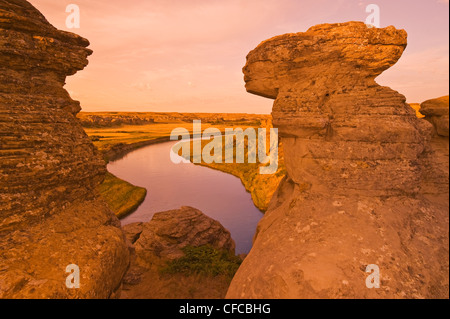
(261, 187)
(104, 138)
(204, 260)
(121, 197)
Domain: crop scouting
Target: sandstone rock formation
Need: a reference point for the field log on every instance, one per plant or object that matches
(50, 214)
(160, 241)
(356, 191)
(169, 232)
(436, 112)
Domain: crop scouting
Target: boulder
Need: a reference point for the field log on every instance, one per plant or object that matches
(160, 241)
(169, 232)
(436, 111)
(133, 231)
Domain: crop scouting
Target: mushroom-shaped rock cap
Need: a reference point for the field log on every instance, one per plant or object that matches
(349, 51)
(26, 33)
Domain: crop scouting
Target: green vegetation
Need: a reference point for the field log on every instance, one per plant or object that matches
(107, 138)
(261, 187)
(204, 260)
(121, 197)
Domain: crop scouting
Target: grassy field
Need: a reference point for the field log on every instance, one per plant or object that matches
(105, 138)
(124, 198)
(261, 187)
(121, 197)
(204, 260)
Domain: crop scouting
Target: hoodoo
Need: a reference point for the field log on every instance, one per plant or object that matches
(358, 162)
(50, 214)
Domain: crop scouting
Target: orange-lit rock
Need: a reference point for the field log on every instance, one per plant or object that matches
(357, 191)
(169, 232)
(50, 215)
(436, 112)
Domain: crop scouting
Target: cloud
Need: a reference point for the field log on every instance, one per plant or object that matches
(180, 55)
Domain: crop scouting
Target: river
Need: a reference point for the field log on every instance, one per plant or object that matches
(171, 186)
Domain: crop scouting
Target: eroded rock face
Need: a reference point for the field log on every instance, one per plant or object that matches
(161, 241)
(436, 111)
(49, 170)
(354, 153)
(169, 232)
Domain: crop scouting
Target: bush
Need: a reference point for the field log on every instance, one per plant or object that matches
(204, 260)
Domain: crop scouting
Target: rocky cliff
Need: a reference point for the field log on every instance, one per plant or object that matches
(357, 160)
(51, 216)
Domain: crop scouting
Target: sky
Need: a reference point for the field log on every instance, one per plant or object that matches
(187, 56)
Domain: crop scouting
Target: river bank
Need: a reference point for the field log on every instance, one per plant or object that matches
(122, 197)
(170, 186)
(118, 137)
(116, 141)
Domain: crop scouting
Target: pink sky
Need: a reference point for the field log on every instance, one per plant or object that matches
(187, 56)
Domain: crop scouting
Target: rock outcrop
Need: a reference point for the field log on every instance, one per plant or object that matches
(169, 232)
(161, 241)
(436, 111)
(51, 216)
(354, 154)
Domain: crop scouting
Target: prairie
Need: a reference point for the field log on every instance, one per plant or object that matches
(114, 136)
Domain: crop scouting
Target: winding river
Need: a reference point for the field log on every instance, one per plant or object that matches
(171, 186)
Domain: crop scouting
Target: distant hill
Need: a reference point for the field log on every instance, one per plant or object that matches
(116, 119)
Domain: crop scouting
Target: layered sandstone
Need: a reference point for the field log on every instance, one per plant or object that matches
(51, 216)
(169, 232)
(354, 154)
(161, 241)
(436, 111)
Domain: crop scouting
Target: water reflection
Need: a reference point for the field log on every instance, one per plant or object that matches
(170, 186)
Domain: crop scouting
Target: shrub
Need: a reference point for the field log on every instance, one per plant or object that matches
(204, 260)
